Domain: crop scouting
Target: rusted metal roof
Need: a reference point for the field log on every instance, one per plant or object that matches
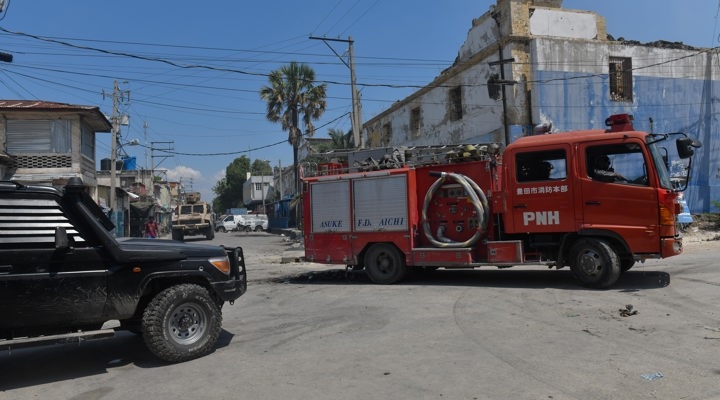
(91, 114)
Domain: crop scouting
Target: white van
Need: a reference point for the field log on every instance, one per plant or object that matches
(229, 223)
(252, 222)
(244, 223)
(259, 222)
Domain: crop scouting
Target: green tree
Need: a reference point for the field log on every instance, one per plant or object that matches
(261, 167)
(229, 190)
(341, 140)
(338, 147)
(220, 201)
(294, 100)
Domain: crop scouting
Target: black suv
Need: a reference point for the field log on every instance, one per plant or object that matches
(63, 275)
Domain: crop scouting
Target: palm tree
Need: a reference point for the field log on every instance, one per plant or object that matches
(292, 97)
(341, 140)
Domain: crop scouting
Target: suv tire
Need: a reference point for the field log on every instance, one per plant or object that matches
(181, 323)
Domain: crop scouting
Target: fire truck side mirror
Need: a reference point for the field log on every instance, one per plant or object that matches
(686, 147)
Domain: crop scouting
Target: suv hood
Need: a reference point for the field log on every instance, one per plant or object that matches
(160, 249)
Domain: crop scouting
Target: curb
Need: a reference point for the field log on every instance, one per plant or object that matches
(291, 258)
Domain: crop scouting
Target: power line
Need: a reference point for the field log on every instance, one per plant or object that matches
(227, 153)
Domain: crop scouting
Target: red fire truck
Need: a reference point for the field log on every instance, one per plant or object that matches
(595, 200)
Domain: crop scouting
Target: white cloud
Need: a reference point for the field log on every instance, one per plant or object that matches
(219, 175)
(183, 174)
(192, 181)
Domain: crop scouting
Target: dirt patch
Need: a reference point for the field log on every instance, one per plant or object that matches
(705, 227)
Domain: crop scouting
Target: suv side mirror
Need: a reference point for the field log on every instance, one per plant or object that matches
(686, 146)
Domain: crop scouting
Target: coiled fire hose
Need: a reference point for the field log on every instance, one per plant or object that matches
(477, 198)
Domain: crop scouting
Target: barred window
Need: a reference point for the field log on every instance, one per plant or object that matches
(455, 110)
(620, 73)
(386, 134)
(87, 143)
(415, 122)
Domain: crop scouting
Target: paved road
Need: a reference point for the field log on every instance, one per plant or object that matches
(305, 331)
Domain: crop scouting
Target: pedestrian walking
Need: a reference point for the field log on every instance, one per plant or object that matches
(151, 228)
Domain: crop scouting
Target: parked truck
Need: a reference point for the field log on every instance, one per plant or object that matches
(544, 199)
(194, 217)
(66, 278)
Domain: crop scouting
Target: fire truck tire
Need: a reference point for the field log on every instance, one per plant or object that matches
(384, 264)
(594, 263)
(626, 264)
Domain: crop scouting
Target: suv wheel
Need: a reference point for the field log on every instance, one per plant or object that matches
(181, 323)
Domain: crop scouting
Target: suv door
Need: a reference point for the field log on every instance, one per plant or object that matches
(39, 284)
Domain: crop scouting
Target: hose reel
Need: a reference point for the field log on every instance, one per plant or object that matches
(477, 199)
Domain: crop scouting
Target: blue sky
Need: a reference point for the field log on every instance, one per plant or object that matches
(193, 70)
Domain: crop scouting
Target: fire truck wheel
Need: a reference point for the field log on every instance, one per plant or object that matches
(626, 263)
(594, 263)
(384, 264)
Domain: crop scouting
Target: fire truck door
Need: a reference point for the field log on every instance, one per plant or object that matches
(616, 195)
(541, 198)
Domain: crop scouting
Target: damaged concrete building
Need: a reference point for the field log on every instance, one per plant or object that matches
(529, 64)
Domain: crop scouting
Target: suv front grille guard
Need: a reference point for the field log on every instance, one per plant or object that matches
(237, 266)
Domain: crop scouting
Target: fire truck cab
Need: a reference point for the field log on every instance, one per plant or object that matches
(597, 201)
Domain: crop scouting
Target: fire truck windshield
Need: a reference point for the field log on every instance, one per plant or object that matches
(660, 163)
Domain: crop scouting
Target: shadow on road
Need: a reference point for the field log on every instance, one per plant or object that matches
(41, 365)
(510, 278)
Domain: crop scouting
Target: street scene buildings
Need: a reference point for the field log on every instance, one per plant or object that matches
(525, 67)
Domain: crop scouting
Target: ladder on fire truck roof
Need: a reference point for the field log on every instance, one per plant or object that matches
(362, 160)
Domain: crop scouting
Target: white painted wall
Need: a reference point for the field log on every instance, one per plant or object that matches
(562, 23)
(481, 35)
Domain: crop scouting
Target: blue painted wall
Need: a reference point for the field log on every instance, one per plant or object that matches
(575, 101)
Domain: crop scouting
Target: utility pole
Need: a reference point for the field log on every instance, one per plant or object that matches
(262, 191)
(117, 96)
(151, 183)
(502, 82)
(355, 119)
(168, 147)
(280, 180)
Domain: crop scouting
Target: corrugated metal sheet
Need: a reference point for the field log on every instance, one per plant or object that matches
(331, 206)
(381, 203)
(91, 114)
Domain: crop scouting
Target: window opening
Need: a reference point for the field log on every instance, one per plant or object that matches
(620, 69)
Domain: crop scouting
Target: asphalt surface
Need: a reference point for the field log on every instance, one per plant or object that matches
(308, 331)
